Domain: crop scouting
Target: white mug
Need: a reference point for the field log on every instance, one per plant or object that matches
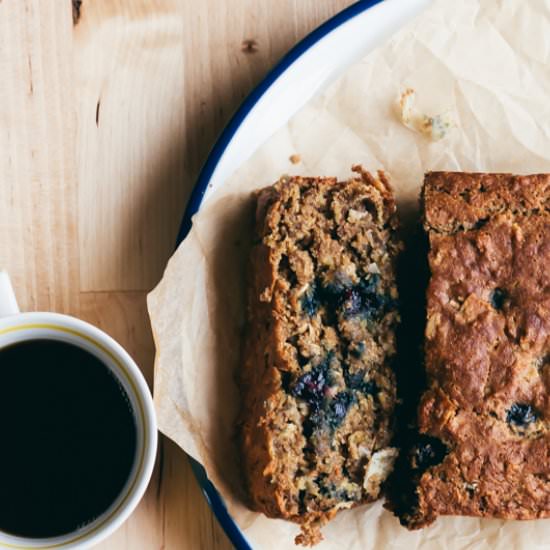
(16, 327)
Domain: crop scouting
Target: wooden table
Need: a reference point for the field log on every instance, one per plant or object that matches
(104, 125)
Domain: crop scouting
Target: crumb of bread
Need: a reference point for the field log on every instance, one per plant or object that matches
(434, 127)
(295, 159)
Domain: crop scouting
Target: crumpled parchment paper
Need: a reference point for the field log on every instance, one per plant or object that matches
(485, 61)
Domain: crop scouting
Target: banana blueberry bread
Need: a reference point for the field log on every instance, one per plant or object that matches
(484, 448)
(318, 385)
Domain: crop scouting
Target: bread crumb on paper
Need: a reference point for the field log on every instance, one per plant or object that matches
(295, 159)
(434, 127)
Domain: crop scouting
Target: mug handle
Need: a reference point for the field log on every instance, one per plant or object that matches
(8, 302)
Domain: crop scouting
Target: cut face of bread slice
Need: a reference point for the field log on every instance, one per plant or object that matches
(318, 384)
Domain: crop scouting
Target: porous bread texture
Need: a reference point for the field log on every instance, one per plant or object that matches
(317, 380)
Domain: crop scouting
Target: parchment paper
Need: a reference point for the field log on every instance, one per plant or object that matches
(485, 60)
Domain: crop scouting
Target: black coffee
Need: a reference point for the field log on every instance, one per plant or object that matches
(67, 436)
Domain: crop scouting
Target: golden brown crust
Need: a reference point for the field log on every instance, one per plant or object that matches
(487, 348)
(459, 201)
(318, 387)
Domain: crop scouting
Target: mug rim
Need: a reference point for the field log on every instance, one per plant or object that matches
(127, 369)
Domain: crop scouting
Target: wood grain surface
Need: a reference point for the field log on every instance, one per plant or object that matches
(104, 125)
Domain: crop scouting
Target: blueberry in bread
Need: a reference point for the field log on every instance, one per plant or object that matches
(317, 380)
(484, 448)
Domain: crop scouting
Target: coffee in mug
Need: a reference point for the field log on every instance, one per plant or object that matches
(69, 438)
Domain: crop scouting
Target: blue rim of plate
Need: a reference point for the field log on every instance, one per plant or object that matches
(195, 200)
